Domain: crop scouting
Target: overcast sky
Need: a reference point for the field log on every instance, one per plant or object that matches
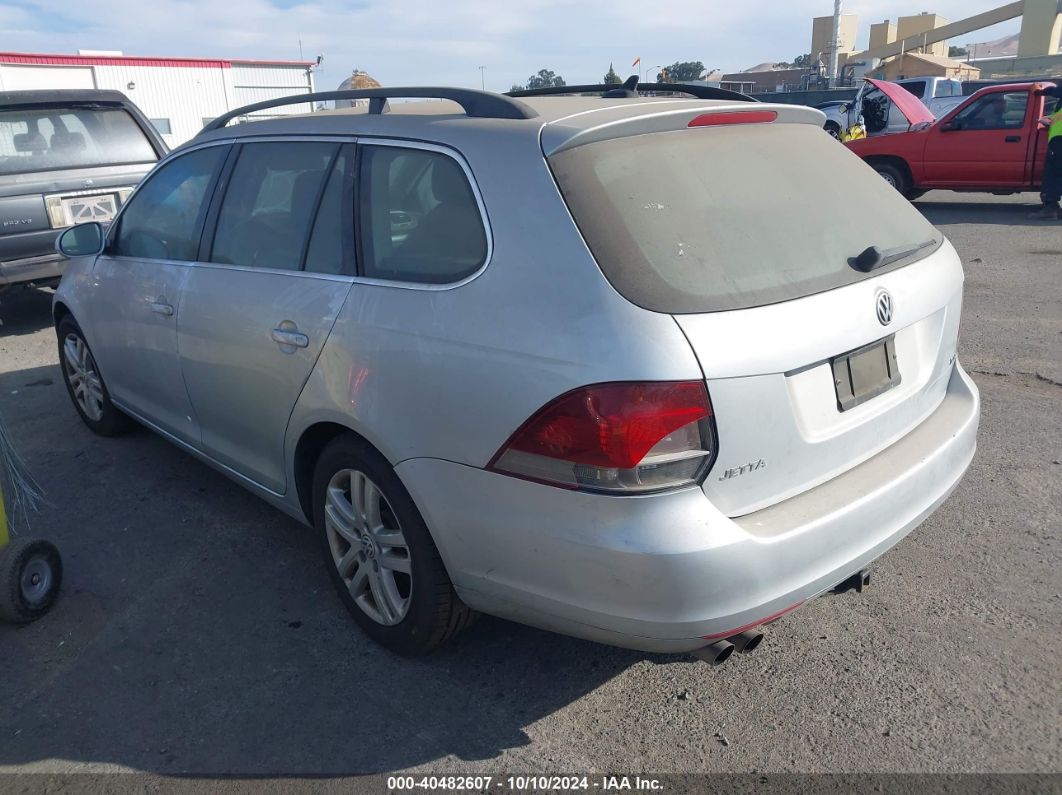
(444, 42)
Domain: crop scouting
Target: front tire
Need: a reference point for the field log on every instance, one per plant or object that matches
(833, 129)
(379, 553)
(31, 573)
(85, 385)
(894, 176)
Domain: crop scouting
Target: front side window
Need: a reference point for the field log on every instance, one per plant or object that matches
(44, 139)
(999, 111)
(418, 217)
(268, 206)
(162, 219)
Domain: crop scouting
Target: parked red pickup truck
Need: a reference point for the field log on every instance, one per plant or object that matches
(992, 142)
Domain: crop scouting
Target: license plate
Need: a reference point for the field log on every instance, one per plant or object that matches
(82, 209)
(865, 373)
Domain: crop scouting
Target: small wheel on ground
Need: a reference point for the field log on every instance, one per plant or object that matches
(31, 573)
(893, 175)
(379, 553)
(833, 129)
(85, 385)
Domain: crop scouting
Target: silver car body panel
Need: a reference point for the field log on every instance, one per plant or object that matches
(438, 377)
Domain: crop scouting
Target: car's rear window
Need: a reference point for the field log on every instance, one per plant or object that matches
(723, 218)
(44, 139)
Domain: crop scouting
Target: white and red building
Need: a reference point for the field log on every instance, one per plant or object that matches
(179, 95)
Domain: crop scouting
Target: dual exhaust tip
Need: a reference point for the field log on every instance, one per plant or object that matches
(719, 652)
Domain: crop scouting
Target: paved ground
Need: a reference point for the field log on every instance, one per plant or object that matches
(198, 632)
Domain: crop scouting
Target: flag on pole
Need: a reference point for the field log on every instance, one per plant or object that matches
(637, 61)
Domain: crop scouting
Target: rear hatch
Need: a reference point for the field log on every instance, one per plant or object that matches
(64, 164)
(750, 235)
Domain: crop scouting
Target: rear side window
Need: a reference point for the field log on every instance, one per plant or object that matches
(726, 218)
(327, 247)
(918, 88)
(418, 217)
(43, 139)
(265, 216)
(162, 219)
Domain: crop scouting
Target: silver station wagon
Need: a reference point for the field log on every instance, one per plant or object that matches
(647, 371)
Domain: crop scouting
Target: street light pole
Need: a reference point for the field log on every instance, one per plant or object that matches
(482, 82)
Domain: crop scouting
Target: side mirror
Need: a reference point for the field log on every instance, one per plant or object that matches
(842, 108)
(83, 240)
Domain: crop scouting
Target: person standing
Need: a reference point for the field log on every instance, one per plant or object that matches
(1051, 187)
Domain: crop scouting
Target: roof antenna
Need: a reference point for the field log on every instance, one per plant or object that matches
(627, 90)
(631, 83)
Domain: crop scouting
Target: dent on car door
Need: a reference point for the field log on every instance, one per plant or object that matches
(258, 309)
(140, 279)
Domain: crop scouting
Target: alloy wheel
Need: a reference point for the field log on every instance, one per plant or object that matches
(85, 383)
(368, 548)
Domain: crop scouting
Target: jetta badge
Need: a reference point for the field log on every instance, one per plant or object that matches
(883, 306)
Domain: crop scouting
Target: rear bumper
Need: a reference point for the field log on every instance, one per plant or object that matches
(44, 268)
(663, 572)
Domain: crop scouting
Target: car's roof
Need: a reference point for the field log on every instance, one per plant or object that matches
(54, 96)
(558, 118)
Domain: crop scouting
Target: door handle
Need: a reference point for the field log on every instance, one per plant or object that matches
(283, 336)
(161, 308)
(1013, 139)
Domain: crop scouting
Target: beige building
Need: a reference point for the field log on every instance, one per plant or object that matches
(922, 23)
(822, 37)
(916, 64)
(882, 33)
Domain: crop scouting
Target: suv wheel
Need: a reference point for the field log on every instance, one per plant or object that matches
(85, 384)
(380, 556)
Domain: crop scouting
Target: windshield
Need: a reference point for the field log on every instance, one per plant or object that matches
(732, 217)
(44, 139)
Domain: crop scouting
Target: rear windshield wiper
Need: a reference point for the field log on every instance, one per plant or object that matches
(873, 257)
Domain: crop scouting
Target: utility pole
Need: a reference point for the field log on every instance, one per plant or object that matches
(835, 44)
(482, 80)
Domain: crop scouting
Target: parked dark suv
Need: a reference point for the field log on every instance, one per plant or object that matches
(66, 157)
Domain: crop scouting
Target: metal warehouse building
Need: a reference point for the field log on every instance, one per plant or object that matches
(179, 95)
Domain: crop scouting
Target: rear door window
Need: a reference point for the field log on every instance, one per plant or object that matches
(330, 250)
(43, 139)
(163, 218)
(265, 216)
(731, 217)
(418, 218)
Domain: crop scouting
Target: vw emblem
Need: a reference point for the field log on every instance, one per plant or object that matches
(883, 307)
(87, 183)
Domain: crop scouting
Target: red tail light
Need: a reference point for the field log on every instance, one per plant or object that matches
(622, 437)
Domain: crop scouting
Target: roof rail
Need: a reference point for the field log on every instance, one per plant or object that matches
(478, 104)
(632, 88)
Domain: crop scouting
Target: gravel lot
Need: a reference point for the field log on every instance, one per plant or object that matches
(198, 633)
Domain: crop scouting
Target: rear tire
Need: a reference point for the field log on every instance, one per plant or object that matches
(85, 385)
(894, 176)
(31, 573)
(379, 553)
(911, 195)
